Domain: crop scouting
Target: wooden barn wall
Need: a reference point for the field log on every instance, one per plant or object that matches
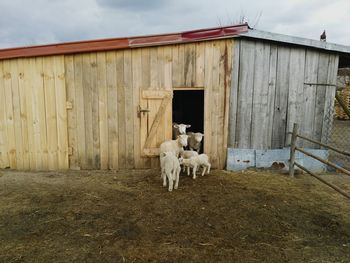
(80, 111)
(269, 93)
(104, 90)
(33, 117)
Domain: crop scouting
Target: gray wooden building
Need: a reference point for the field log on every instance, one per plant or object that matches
(108, 104)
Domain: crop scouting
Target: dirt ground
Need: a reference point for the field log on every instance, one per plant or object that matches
(127, 216)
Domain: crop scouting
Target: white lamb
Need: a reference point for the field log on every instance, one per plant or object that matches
(187, 155)
(179, 129)
(195, 141)
(175, 146)
(195, 162)
(170, 168)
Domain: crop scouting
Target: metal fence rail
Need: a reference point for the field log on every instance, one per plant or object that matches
(293, 163)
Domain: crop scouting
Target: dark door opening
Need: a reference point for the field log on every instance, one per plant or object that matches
(188, 108)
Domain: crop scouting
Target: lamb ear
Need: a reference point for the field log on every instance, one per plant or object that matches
(188, 125)
(175, 125)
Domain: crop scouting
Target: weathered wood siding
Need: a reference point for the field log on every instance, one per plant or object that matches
(33, 116)
(269, 93)
(79, 111)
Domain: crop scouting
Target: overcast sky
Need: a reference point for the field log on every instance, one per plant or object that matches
(32, 22)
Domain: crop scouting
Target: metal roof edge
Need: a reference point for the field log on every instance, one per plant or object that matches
(258, 34)
(124, 43)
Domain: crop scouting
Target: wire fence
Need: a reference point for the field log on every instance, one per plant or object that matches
(339, 135)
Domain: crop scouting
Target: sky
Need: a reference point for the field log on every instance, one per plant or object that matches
(34, 22)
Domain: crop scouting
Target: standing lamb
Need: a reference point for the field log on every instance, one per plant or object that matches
(179, 129)
(194, 162)
(195, 141)
(187, 155)
(170, 168)
(175, 146)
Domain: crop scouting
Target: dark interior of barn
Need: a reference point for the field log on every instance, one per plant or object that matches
(188, 108)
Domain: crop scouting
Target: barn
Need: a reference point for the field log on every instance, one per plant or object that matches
(108, 104)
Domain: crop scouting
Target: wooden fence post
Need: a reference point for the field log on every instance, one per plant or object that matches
(292, 149)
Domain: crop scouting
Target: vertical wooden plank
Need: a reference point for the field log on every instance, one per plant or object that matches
(228, 59)
(328, 114)
(146, 84)
(40, 112)
(217, 66)
(23, 113)
(112, 110)
(322, 75)
(189, 65)
(175, 66)
(181, 67)
(136, 86)
(199, 73)
(260, 96)
(29, 71)
(96, 157)
(122, 132)
(87, 91)
(79, 96)
(103, 108)
(245, 93)
(208, 97)
(61, 99)
(9, 115)
(129, 109)
(232, 139)
(160, 68)
(295, 91)
(73, 137)
(16, 113)
(271, 94)
(167, 123)
(4, 160)
(311, 68)
(50, 111)
(281, 98)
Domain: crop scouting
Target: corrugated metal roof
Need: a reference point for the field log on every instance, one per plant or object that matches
(123, 43)
(258, 34)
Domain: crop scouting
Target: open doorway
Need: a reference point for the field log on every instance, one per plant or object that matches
(188, 108)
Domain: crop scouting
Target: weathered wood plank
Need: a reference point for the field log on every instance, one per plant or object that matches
(16, 113)
(103, 109)
(87, 91)
(232, 126)
(11, 139)
(72, 113)
(112, 110)
(129, 109)
(51, 114)
(260, 109)
(296, 90)
(79, 97)
(208, 97)
(4, 160)
(96, 161)
(61, 99)
(322, 74)
(271, 94)
(136, 86)
(123, 133)
(245, 93)
(311, 68)
(189, 65)
(281, 98)
(29, 70)
(175, 66)
(199, 73)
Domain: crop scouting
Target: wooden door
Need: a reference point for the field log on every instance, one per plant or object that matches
(155, 112)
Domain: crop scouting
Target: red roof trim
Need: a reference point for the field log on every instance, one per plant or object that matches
(122, 43)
